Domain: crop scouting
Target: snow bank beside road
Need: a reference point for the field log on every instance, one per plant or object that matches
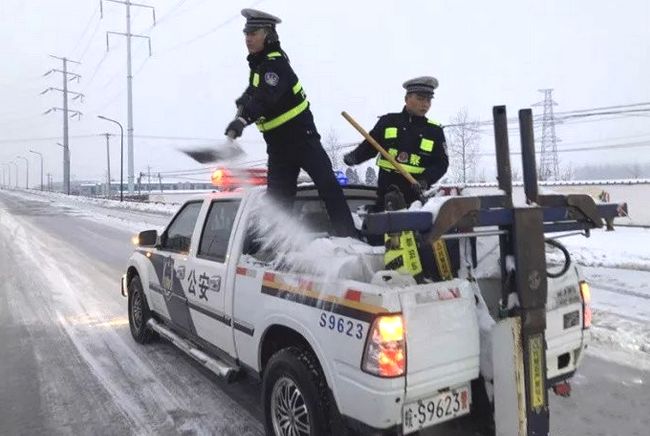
(74, 200)
(625, 247)
(130, 216)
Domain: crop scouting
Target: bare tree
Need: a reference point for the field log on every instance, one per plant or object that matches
(353, 176)
(333, 148)
(371, 177)
(635, 171)
(463, 140)
(566, 173)
(515, 174)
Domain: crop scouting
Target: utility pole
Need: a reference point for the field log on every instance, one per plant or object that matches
(65, 110)
(108, 167)
(129, 76)
(49, 182)
(4, 177)
(41, 156)
(26, 170)
(15, 178)
(549, 166)
(121, 152)
(160, 182)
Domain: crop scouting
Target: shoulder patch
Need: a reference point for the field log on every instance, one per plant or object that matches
(271, 78)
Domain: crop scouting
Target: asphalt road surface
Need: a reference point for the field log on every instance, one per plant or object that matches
(68, 364)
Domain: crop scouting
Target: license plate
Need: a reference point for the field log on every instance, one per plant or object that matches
(436, 409)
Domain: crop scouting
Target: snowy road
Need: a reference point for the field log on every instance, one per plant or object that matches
(68, 364)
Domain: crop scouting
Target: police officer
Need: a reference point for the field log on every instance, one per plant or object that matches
(276, 102)
(415, 141)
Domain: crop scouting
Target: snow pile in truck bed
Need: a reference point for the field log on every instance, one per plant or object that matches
(295, 248)
(328, 258)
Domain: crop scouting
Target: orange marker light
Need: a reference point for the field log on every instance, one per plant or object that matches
(585, 293)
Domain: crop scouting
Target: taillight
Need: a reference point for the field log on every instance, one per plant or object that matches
(385, 353)
(585, 293)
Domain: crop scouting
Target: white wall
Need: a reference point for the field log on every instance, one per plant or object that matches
(635, 193)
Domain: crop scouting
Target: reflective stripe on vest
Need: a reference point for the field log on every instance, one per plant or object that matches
(435, 123)
(256, 80)
(274, 54)
(390, 133)
(412, 169)
(265, 126)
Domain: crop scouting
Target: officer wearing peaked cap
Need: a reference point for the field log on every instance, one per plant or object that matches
(415, 141)
(276, 102)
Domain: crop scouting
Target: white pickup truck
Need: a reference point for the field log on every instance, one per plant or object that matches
(360, 347)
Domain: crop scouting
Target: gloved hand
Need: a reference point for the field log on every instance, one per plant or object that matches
(349, 159)
(421, 186)
(235, 128)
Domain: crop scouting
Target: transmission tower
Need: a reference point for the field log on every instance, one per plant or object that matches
(549, 164)
(129, 73)
(67, 76)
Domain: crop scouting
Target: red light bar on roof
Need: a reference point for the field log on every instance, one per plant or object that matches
(228, 179)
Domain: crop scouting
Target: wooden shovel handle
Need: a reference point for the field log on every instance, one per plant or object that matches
(380, 149)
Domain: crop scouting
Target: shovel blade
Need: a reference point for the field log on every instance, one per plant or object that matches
(207, 155)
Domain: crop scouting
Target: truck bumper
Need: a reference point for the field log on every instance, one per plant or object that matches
(375, 403)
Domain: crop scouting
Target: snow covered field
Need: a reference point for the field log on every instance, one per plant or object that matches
(616, 264)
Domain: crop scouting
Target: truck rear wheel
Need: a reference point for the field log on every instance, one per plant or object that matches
(294, 395)
(139, 313)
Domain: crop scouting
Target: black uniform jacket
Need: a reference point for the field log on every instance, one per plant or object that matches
(407, 141)
(274, 95)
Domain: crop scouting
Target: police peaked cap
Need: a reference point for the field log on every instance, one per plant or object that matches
(421, 85)
(257, 19)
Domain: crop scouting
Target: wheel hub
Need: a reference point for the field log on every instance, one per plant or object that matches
(136, 309)
(289, 412)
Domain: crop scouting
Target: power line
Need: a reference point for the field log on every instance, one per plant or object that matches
(48, 138)
(578, 149)
(595, 111)
(83, 34)
(97, 67)
(207, 33)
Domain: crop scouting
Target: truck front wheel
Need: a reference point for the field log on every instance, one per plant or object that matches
(139, 313)
(294, 395)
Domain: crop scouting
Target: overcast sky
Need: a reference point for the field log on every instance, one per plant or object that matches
(349, 55)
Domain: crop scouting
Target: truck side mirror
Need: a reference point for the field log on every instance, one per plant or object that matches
(147, 238)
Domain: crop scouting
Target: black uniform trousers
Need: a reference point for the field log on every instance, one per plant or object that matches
(283, 169)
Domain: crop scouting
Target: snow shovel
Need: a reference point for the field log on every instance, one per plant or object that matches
(386, 155)
(227, 151)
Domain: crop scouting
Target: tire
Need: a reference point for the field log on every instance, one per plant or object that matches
(139, 313)
(294, 372)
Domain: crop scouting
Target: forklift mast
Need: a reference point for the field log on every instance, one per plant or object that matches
(522, 408)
